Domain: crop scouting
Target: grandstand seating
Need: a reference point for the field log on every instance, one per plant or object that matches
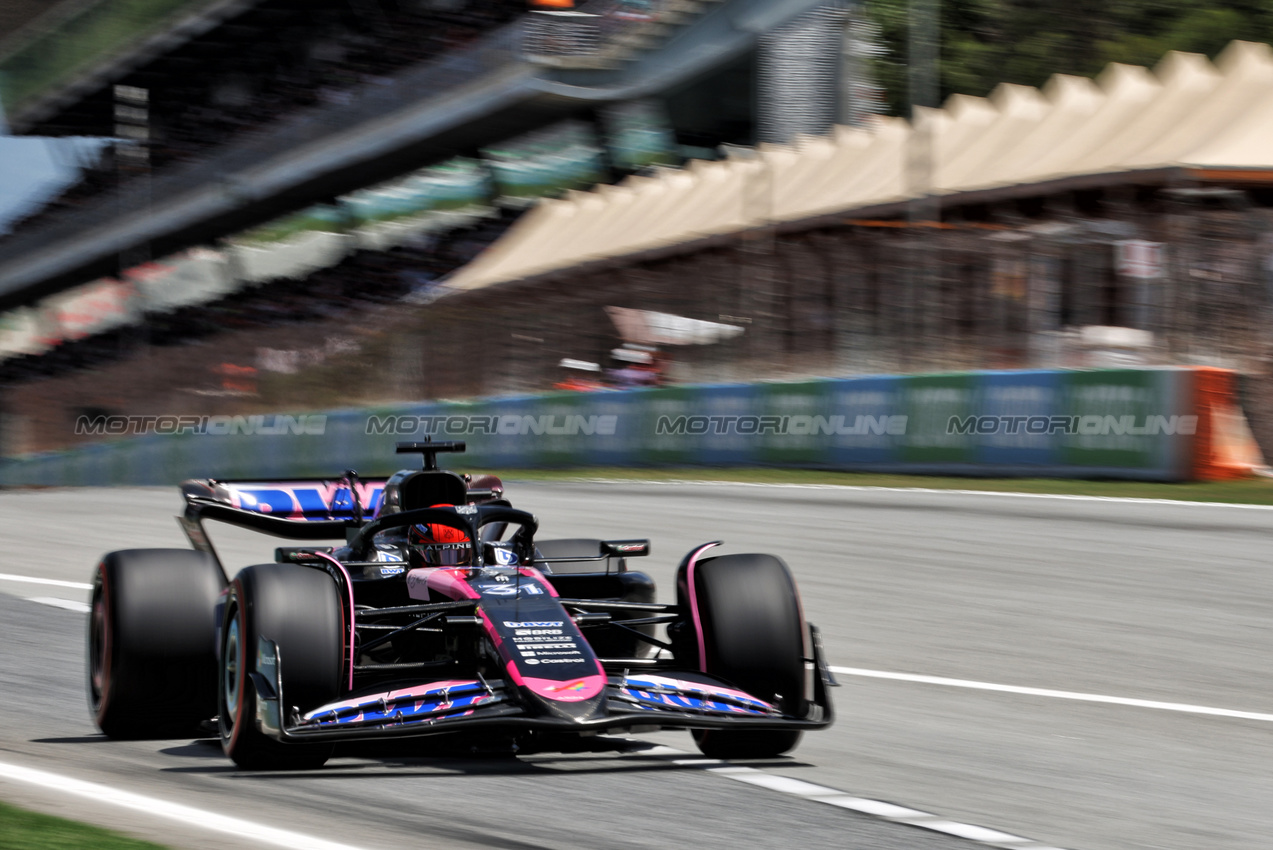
(609, 32)
(359, 283)
(326, 52)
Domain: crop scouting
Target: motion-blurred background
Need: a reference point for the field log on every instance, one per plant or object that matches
(258, 206)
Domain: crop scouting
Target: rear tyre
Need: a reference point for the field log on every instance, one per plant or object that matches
(152, 667)
(753, 637)
(297, 608)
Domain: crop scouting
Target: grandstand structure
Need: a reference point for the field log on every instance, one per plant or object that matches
(286, 145)
(234, 148)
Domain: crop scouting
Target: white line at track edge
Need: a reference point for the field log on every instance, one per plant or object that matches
(54, 602)
(187, 815)
(78, 585)
(1130, 500)
(801, 789)
(1054, 694)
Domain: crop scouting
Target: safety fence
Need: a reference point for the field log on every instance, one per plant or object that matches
(1167, 424)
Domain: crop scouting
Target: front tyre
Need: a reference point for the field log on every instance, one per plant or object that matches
(299, 610)
(754, 636)
(152, 643)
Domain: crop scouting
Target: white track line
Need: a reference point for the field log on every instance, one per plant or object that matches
(78, 585)
(54, 602)
(1047, 692)
(834, 797)
(1130, 500)
(242, 830)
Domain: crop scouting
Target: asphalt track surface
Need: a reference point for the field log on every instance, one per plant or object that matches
(1155, 603)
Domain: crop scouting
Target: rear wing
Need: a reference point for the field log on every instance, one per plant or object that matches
(299, 500)
(299, 508)
(565, 557)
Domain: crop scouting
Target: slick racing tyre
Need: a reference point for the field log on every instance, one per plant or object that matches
(299, 610)
(152, 666)
(753, 637)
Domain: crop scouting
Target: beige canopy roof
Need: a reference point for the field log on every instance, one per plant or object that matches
(648, 327)
(1187, 112)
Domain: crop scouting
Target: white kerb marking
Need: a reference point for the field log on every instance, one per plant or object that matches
(68, 604)
(1053, 694)
(242, 830)
(78, 585)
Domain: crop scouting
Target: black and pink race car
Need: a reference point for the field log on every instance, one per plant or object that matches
(441, 615)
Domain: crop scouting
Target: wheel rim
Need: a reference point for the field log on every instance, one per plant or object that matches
(230, 676)
(97, 640)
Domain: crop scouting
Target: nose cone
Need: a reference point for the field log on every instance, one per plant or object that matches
(543, 651)
(573, 699)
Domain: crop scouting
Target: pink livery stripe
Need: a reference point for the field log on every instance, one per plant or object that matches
(453, 584)
(698, 622)
(349, 589)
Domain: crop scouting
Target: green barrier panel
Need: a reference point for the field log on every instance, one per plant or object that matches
(1119, 413)
(777, 441)
(1128, 423)
(664, 446)
(930, 402)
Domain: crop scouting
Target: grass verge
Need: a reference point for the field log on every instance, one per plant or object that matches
(1256, 491)
(24, 830)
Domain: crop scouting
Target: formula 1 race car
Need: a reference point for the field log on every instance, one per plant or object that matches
(441, 615)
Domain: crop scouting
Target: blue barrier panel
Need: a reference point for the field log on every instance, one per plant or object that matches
(868, 423)
(720, 411)
(611, 418)
(693, 425)
(1020, 406)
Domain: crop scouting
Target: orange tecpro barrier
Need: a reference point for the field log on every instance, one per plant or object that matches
(1224, 447)
(552, 4)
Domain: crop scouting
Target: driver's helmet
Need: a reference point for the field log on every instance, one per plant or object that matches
(435, 545)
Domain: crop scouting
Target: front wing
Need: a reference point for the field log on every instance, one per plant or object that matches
(634, 701)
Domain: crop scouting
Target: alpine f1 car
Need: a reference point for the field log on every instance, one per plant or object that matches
(442, 614)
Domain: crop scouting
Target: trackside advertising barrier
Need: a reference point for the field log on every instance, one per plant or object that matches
(1168, 424)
